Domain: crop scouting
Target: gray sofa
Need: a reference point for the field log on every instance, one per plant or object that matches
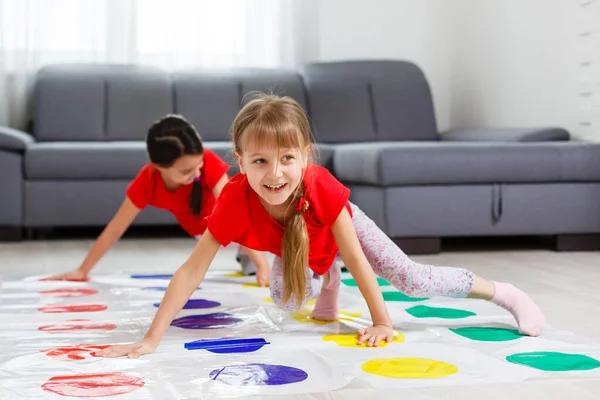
(375, 127)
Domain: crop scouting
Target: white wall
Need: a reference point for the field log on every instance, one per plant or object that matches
(514, 63)
(489, 62)
(414, 30)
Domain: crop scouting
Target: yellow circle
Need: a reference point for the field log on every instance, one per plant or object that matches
(350, 339)
(237, 274)
(304, 316)
(409, 368)
(310, 302)
(253, 285)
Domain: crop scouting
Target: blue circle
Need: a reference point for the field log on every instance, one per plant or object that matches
(225, 346)
(206, 321)
(247, 349)
(258, 375)
(156, 288)
(197, 303)
(150, 276)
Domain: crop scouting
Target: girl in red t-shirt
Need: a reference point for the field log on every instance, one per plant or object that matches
(282, 203)
(183, 178)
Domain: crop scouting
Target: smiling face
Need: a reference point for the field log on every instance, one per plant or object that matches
(183, 171)
(271, 136)
(274, 173)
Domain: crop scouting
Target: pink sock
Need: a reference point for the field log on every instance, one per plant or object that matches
(326, 308)
(530, 318)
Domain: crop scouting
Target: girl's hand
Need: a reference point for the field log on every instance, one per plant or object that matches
(133, 350)
(73, 276)
(263, 275)
(375, 334)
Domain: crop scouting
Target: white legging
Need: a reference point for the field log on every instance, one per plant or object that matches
(389, 262)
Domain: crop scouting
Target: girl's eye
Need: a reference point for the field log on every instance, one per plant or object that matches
(259, 161)
(288, 157)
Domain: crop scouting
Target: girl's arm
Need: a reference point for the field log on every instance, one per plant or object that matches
(358, 265)
(258, 257)
(220, 185)
(182, 285)
(109, 236)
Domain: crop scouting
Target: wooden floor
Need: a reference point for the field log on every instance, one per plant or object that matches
(565, 285)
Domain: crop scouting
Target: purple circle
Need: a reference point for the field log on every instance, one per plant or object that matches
(206, 321)
(197, 303)
(258, 375)
(160, 288)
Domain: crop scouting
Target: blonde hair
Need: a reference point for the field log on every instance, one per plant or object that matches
(282, 123)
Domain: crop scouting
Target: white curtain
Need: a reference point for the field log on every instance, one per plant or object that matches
(172, 34)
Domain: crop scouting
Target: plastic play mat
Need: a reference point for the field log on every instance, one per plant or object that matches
(230, 340)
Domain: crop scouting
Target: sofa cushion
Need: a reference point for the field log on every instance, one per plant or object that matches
(84, 160)
(211, 99)
(369, 100)
(506, 135)
(340, 109)
(87, 102)
(136, 97)
(69, 104)
(418, 163)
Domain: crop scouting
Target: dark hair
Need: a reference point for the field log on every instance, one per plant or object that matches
(172, 137)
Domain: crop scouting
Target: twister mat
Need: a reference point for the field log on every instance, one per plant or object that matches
(230, 341)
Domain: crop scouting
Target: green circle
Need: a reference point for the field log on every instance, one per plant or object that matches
(554, 361)
(399, 296)
(435, 312)
(484, 334)
(352, 282)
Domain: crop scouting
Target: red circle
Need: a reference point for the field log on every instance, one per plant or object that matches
(72, 308)
(69, 292)
(84, 279)
(75, 353)
(77, 325)
(93, 385)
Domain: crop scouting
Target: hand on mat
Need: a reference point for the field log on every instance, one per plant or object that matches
(74, 276)
(263, 276)
(375, 334)
(133, 350)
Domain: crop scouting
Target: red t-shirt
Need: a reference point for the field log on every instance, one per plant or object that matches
(240, 217)
(148, 189)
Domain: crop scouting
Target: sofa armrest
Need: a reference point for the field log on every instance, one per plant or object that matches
(14, 140)
(506, 135)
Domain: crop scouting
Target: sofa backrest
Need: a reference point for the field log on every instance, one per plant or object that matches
(98, 102)
(349, 101)
(354, 101)
(211, 99)
(116, 103)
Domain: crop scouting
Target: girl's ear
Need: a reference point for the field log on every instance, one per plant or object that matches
(238, 158)
(157, 167)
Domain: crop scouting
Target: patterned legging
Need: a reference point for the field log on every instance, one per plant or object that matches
(389, 262)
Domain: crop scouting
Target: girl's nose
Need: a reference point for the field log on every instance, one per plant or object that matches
(275, 170)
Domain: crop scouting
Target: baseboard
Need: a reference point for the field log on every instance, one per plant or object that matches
(425, 245)
(589, 242)
(10, 234)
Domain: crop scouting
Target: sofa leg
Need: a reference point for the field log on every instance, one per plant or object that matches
(577, 242)
(426, 245)
(10, 234)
